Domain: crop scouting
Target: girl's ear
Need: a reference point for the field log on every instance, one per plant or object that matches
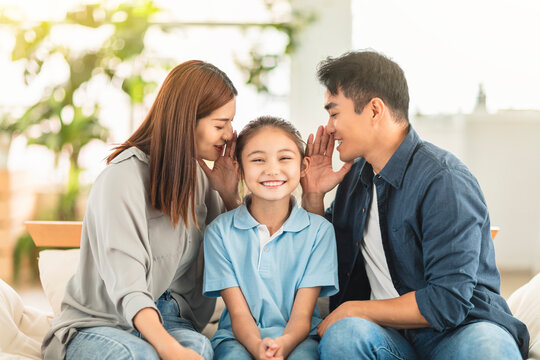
(306, 163)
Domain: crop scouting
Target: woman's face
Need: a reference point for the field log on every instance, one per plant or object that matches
(214, 130)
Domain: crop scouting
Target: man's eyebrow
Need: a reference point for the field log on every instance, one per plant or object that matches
(330, 105)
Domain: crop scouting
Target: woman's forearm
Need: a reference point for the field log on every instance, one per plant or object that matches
(147, 322)
(231, 200)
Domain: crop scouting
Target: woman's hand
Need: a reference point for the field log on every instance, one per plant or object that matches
(223, 176)
(176, 351)
(147, 322)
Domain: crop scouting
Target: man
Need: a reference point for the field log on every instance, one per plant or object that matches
(417, 269)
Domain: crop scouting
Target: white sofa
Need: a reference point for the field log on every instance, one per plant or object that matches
(23, 327)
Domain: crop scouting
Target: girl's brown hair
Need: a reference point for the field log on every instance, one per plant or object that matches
(254, 126)
(191, 91)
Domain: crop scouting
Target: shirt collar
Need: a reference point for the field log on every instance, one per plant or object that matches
(394, 170)
(129, 152)
(297, 220)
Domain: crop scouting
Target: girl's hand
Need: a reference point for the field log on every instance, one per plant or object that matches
(280, 353)
(267, 349)
(223, 177)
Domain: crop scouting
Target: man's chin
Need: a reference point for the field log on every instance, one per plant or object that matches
(345, 157)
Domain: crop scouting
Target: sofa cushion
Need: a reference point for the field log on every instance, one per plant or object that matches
(525, 305)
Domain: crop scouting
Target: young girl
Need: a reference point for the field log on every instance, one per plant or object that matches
(269, 259)
(137, 293)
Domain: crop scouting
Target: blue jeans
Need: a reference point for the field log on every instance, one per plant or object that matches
(109, 343)
(232, 350)
(356, 338)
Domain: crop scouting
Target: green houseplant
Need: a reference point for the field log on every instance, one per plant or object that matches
(75, 122)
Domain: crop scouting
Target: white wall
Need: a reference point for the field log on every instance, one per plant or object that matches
(503, 152)
(330, 35)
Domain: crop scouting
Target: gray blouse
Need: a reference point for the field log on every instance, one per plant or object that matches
(131, 254)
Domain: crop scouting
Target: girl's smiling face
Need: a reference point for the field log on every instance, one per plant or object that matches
(272, 164)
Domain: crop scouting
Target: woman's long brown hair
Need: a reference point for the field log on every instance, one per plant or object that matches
(191, 91)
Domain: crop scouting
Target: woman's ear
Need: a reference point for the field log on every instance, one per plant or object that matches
(306, 163)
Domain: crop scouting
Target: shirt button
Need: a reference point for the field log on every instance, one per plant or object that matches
(364, 210)
(356, 244)
(266, 249)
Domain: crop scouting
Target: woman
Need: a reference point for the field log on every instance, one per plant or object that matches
(137, 293)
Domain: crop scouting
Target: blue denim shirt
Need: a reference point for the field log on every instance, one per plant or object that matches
(435, 231)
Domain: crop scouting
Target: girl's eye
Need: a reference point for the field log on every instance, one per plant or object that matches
(257, 160)
(285, 158)
(219, 127)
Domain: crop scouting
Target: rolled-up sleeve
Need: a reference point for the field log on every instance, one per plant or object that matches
(219, 273)
(119, 241)
(453, 214)
(321, 269)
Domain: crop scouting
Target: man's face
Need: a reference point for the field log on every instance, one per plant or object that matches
(352, 131)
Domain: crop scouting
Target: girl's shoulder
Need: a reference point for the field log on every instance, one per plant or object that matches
(316, 221)
(224, 220)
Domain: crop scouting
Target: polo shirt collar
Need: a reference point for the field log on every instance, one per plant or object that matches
(394, 171)
(297, 220)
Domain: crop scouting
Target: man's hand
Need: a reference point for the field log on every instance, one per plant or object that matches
(399, 313)
(321, 177)
(341, 312)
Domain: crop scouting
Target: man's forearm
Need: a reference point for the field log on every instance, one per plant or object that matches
(314, 203)
(400, 313)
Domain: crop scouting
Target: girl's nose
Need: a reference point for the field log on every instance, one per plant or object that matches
(272, 169)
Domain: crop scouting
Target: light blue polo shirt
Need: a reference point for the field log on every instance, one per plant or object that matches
(302, 254)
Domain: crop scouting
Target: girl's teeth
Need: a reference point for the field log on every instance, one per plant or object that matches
(272, 183)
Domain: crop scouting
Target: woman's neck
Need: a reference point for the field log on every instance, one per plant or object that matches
(270, 213)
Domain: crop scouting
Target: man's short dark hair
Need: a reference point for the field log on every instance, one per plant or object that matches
(364, 75)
